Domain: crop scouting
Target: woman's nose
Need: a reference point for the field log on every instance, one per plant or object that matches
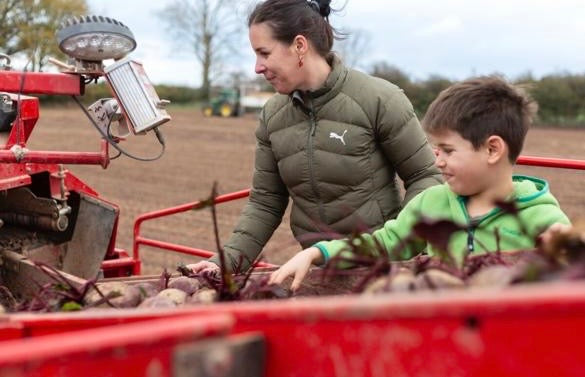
(259, 68)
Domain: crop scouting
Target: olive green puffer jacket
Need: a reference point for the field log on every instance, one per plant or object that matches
(336, 152)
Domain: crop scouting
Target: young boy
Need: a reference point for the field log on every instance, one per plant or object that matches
(477, 128)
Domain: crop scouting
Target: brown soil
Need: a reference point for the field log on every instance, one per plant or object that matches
(201, 151)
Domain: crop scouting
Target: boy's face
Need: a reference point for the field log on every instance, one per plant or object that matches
(464, 168)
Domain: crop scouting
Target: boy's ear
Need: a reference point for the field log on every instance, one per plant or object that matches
(496, 148)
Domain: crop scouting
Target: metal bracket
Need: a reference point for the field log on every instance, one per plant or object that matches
(5, 66)
(224, 357)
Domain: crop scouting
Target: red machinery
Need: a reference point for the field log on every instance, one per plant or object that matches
(45, 209)
(524, 331)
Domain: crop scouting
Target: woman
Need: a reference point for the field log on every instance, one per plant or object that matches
(333, 139)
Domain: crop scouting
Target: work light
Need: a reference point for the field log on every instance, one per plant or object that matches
(95, 38)
(89, 40)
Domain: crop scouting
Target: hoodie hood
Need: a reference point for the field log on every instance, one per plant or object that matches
(530, 190)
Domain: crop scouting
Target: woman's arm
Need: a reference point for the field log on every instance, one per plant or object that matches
(405, 145)
(263, 212)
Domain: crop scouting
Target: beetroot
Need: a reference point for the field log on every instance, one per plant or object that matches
(203, 296)
(437, 279)
(379, 285)
(175, 295)
(492, 277)
(157, 302)
(147, 289)
(403, 281)
(185, 284)
(119, 294)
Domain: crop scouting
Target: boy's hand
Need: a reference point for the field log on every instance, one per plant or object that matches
(555, 229)
(297, 266)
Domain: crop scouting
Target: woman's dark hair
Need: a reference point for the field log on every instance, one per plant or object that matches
(289, 18)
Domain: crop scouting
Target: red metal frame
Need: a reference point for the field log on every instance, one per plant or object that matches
(41, 83)
(26, 121)
(20, 133)
(133, 349)
(141, 240)
(562, 163)
(527, 330)
(48, 157)
(18, 164)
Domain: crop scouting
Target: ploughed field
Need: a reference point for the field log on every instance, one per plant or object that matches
(201, 151)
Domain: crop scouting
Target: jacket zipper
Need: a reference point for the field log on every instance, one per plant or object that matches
(473, 225)
(311, 155)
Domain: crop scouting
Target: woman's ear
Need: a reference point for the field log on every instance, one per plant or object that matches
(300, 45)
(496, 149)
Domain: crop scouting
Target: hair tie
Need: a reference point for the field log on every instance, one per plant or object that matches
(315, 5)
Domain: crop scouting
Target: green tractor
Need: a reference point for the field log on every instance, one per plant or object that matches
(225, 103)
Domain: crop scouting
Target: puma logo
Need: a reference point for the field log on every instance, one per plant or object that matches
(333, 135)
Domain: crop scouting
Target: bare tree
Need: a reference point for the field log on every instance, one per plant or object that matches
(210, 28)
(354, 46)
(43, 18)
(28, 27)
(11, 20)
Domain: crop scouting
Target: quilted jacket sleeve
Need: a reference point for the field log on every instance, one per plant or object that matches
(405, 145)
(264, 210)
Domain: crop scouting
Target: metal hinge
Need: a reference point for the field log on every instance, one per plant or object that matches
(235, 356)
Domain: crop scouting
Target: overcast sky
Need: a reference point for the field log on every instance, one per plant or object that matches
(452, 38)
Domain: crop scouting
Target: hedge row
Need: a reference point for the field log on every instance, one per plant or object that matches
(561, 97)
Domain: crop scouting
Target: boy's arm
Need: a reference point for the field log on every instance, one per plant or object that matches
(393, 239)
(555, 230)
(545, 217)
(388, 237)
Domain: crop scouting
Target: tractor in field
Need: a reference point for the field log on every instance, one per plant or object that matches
(224, 103)
(57, 228)
(235, 101)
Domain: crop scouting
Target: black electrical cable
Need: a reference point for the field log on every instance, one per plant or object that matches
(114, 144)
(108, 128)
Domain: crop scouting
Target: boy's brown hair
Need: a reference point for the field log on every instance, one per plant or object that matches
(481, 107)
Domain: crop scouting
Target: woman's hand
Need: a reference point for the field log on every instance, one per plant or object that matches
(203, 266)
(297, 266)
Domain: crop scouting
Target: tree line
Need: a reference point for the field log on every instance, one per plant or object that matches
(560, 96)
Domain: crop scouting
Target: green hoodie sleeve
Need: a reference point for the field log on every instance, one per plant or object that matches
(540, 217)
(393, 238)
(538, 208)
(264, 210)
(405, 145)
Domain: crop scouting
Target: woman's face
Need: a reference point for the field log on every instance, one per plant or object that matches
(278, 62)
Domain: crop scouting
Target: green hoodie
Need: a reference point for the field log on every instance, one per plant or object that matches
(537, 210)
